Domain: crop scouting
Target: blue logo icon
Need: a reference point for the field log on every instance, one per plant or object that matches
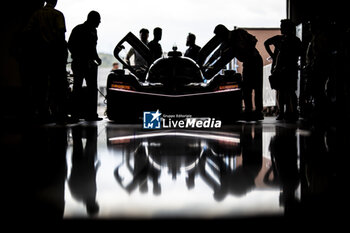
(151, 120)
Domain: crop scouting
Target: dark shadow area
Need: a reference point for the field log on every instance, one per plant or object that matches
(36, 185)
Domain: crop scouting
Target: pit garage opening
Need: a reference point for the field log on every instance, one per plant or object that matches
(177, 19)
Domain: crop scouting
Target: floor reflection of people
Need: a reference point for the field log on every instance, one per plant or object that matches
(284, 156)
(140, 170)
(251, 146)
(82, 180)
(320, 166)
(240, 179)
(43, 172)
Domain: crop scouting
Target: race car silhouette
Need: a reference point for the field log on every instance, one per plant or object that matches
(173, 84)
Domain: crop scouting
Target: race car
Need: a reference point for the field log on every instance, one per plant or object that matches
(173, 84)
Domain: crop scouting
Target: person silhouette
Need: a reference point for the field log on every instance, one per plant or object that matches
(46, 32)
(275, 41)
(193, 49)
(288, 48)
(319, 67)
(239, 180)
(240, 44)
(82, 45)
(284, 155)
(253, 80)
(154, 46)
(82, 180)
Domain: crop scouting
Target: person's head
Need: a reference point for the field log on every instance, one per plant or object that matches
(144, 33)
(221, 31)
(287, 27)
(157, 33)
(51, 2)
(191, 39)
(115, 66)
(94, 19)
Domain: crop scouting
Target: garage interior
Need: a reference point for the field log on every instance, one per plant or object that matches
(274, 172)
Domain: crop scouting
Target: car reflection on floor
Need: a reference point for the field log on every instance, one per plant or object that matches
(211, 157)
(179, 173)
(106, 171)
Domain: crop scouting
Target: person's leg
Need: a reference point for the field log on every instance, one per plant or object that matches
(59, 90)
(247, 97)
(40, 95)
(291, 106)
(258, 99)
(92, 93)
(78, 78)
(248, 102)
(281, 102)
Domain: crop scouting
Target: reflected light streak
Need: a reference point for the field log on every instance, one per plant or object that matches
(121, 139)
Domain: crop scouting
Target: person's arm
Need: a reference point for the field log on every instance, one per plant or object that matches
(61, 25)
(267, 44)
(160, 51)
(96, 57)
(72, 41)
(94, 50)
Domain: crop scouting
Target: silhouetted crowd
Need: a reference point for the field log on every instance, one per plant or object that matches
(46, 44)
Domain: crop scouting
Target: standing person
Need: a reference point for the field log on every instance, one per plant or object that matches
(240, 44)
(193, 49)
(140, 63)
(46, 30)
(289, 49)
(253, 80)
(320, 62)
(275, 41)
(154, 46)
(252, 74)
(82, 45)
(82, 179)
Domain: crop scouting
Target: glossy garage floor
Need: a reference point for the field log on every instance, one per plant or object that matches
(102, 170)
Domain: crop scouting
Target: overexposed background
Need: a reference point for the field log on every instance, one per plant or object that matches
(176, 18)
